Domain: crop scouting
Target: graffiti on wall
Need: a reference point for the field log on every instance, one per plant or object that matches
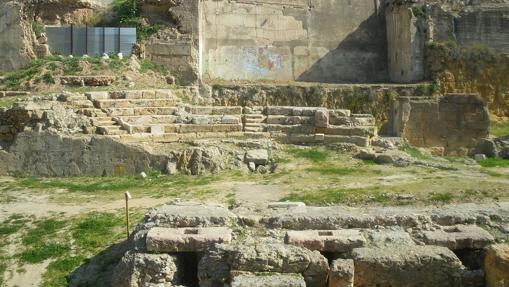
(261, 61)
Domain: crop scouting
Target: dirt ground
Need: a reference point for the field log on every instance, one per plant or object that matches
(316, 176)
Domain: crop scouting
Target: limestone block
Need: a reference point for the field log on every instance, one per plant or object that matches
(185, 239)
(286, 205)
(326, 240)
(92, 96)
(322, 118)
(402, 265)
(341, 273)
(201, 120)
(231, 120)
(282, 111)
(496, 266)
(268, 280)
(133, 94)
(258, 156)
(356, 140)
(157, 129)
(459, 237)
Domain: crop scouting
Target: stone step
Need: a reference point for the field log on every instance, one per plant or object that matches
(253, 129)
(142, 111)
(134, 103)
(337, 241)
(105, 123)
(81, 103)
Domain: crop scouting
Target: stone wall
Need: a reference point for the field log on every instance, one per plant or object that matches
(406, 44)
(320, 40)
(452, 124)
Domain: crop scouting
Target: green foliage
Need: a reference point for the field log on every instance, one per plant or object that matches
(418, 11)
(338, 195)
(38, 29)
(14, 79)
(44, 251)
(309, 154)
(316, 96)
(48, 78)
(128, 14)
(443, 197)
(494, 162)
(147, 65)
(499, 129)
(71, 66)
(414, 152)
(55, 275)
(97, 230)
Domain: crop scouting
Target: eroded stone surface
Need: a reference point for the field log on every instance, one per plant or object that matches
(459, 237)
(341, 273)
(326, 240)
(268, 280)
(405, 266)
(185, 239)
(496, 266)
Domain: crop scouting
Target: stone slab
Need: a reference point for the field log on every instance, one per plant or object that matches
(160, 239)
(326, 240)
(341, 273)
(459, 237)
(496, 265)
(268, 280)
(286, 205)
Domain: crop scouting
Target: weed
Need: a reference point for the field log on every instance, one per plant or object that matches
(309, 154)
(494, 162)
(96, 230)
(414, 152)
(499, 129)
(48, 78)
(442, 197)
(338, 195)
(340, 171)
(38, 29)
(44, 251)
(71, 66)
(147, 65)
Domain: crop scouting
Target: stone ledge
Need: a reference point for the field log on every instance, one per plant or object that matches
(326, 240)
(185, 239)
(459, 237)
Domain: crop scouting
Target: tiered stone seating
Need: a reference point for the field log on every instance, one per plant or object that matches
(159, 113)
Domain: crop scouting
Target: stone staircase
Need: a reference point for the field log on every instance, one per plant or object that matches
(144, 115)
(254, 122)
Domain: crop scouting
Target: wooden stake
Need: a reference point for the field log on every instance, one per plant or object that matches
(127, 197)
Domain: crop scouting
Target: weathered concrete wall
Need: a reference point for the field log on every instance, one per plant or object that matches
(406, 43)
(452, 124)
(319, 40)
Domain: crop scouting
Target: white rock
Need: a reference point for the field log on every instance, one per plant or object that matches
(143, 175)
(120, 56)
(480, 157)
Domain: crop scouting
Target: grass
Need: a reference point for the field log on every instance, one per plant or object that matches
(442, 197)
(494, 162)
(339, 195)
(313, 155)
(40, 241)
(414, 152)
(147, 65)
(499, 129)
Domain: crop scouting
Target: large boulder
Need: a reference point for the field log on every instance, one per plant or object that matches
(406, 266)
(496, 266)
(217, 263)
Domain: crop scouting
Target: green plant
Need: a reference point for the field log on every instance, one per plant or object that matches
(48, 78)
(442, 197)
(38, 29)
(71, 66)
(309, 154)
(128, 14)
(499, 129)
(418, 11)
(414, 152)
(494, 162)
(147, 65)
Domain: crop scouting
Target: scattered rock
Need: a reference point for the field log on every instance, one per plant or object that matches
(479, 157)
(257, 156)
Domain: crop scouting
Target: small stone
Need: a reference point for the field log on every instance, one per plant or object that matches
(105, 56)
(120, 56)
(322, 118)
(171, 168)
(257, 156)
(131, 85)
(261, 169)
(143, 175)
(252, 166)
(170, 80)
(479, 157)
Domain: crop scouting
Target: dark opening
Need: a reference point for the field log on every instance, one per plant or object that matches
(330, 256)
(473, 259)
(324, 233)
(191, 231)
(189, 262)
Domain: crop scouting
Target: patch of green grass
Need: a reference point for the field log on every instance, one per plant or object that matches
(494, 162)
(43, 252)
(499, 129)
(43, 229)
(57, 270)
(97, 230)
(339, 195)
(414, 152)
(71, 65)
(147, 65)
(309, 154)
(442, 197)
(38, 28)
(48, 78)
(341, 171)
